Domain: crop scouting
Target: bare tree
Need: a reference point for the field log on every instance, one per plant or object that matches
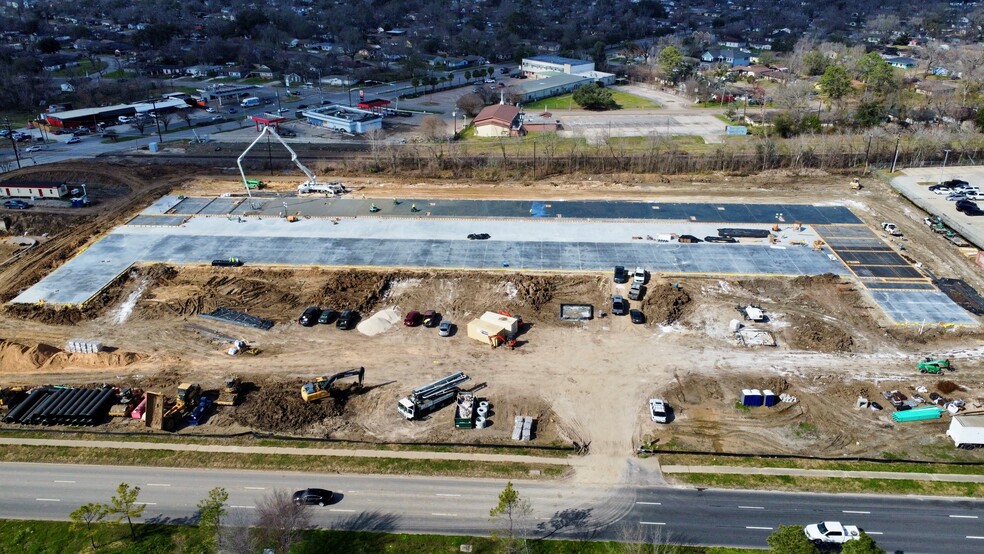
(185, 116)
(165, 119)
(645, 540)
(471, 104)
(140, 124)
(432, 127)
(235, 535)
(280, 520)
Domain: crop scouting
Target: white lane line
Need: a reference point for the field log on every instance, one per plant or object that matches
(48, 499)
(255, 488)
(751, 507)
(873, 533)
(158, 485)
(975, 537)
(759, 528)
(244, 507)
(652, 523)
(147, 503)
(854, 512)
(964, 517)
(63, 481)
(650, 503)
(445, 515)
(441, 494)
(339, 510)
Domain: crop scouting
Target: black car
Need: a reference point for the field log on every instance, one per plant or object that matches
(16, 205)
(621, 276)
(729, 240)
(346, 320)
(637, 317)
(313, 496)
(953, 183)
(619, 305)
(966, 205)
(310, 316)
(328, 316)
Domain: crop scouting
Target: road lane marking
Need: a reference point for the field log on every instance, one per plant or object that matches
(651, 523)
(759, 528)
(964, 517)
(873, 533)
(445, 515)
(975, 537)
(255, 488)
(147, 503)
(650, 503)
(854, 512)
(158, 485)
(244, 507)
(63, 481)
(442, 494)
(752, 507)
(48, 499)
(339, 510)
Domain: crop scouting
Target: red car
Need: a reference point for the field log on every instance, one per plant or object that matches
(412, 319)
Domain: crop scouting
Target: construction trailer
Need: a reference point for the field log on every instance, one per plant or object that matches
(431, 397)
(967, 431)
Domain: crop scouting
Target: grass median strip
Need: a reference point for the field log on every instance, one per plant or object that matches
(171, 438)
(58, 537)
(831, 484)
(288, 462)
(845, 465)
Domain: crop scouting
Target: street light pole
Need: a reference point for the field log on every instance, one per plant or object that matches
(946, 156)
(13, 142)
(454, 116)
(157, 120)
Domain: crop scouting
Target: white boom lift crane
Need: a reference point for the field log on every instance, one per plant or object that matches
(311, 185)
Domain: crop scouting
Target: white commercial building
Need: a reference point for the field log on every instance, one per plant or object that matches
(538, 65)
(345, 119)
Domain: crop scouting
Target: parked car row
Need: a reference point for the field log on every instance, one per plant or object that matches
(962, 193)
(428, 318)
(315, 315)
(620, 306)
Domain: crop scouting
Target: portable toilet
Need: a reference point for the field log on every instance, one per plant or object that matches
(751, 397)
(768, 398)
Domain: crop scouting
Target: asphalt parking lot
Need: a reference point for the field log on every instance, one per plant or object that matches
(914, 185)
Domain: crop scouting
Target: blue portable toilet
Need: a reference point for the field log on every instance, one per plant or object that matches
(768, 398)
(751, 397)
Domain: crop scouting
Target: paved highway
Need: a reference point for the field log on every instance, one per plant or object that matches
(446, 505)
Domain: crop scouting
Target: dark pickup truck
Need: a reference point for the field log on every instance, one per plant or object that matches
(227, 262)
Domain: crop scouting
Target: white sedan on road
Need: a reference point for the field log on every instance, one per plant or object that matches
(33, 149)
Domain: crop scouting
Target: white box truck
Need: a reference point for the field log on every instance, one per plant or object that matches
(967, 431)
(250, 102)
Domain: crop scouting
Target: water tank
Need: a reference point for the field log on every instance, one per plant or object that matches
(154, 147)
(480, 422)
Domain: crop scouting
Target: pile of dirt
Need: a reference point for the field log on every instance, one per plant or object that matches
(947, 387)
(818, 336)
(278, 407)
(665, 303)
(21, 358)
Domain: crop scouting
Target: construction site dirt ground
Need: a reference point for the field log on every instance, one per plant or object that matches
(584, 381)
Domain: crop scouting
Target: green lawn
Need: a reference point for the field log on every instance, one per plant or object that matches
(286, 462)
(85, 67)
(846, 465)
(625, 100)
(55, 537)
(831, 484)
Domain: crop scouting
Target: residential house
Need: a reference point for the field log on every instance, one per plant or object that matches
(933, 88)
(902, 62)
(262, 71)
(498, 120)
(456, 63)
(728, 56)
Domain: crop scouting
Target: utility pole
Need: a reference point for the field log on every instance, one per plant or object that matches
(157, 120)
(946, 156)
(534, 159)
(896, 159)
(13, 142)
(867, 151)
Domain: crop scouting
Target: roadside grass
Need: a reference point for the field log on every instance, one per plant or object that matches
(285, 462)
(626, 100)
(85, 67)
(831, 484)
(300, 443)
(846, 465)
(57, 537)
(119, 74)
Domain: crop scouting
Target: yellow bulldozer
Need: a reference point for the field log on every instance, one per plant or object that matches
(229, 395)
(323, 386)
(188, 396)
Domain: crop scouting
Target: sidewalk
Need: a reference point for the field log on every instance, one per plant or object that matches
(955, 477)
(292, 451)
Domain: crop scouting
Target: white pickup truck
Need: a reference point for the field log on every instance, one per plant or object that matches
(831, 532)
